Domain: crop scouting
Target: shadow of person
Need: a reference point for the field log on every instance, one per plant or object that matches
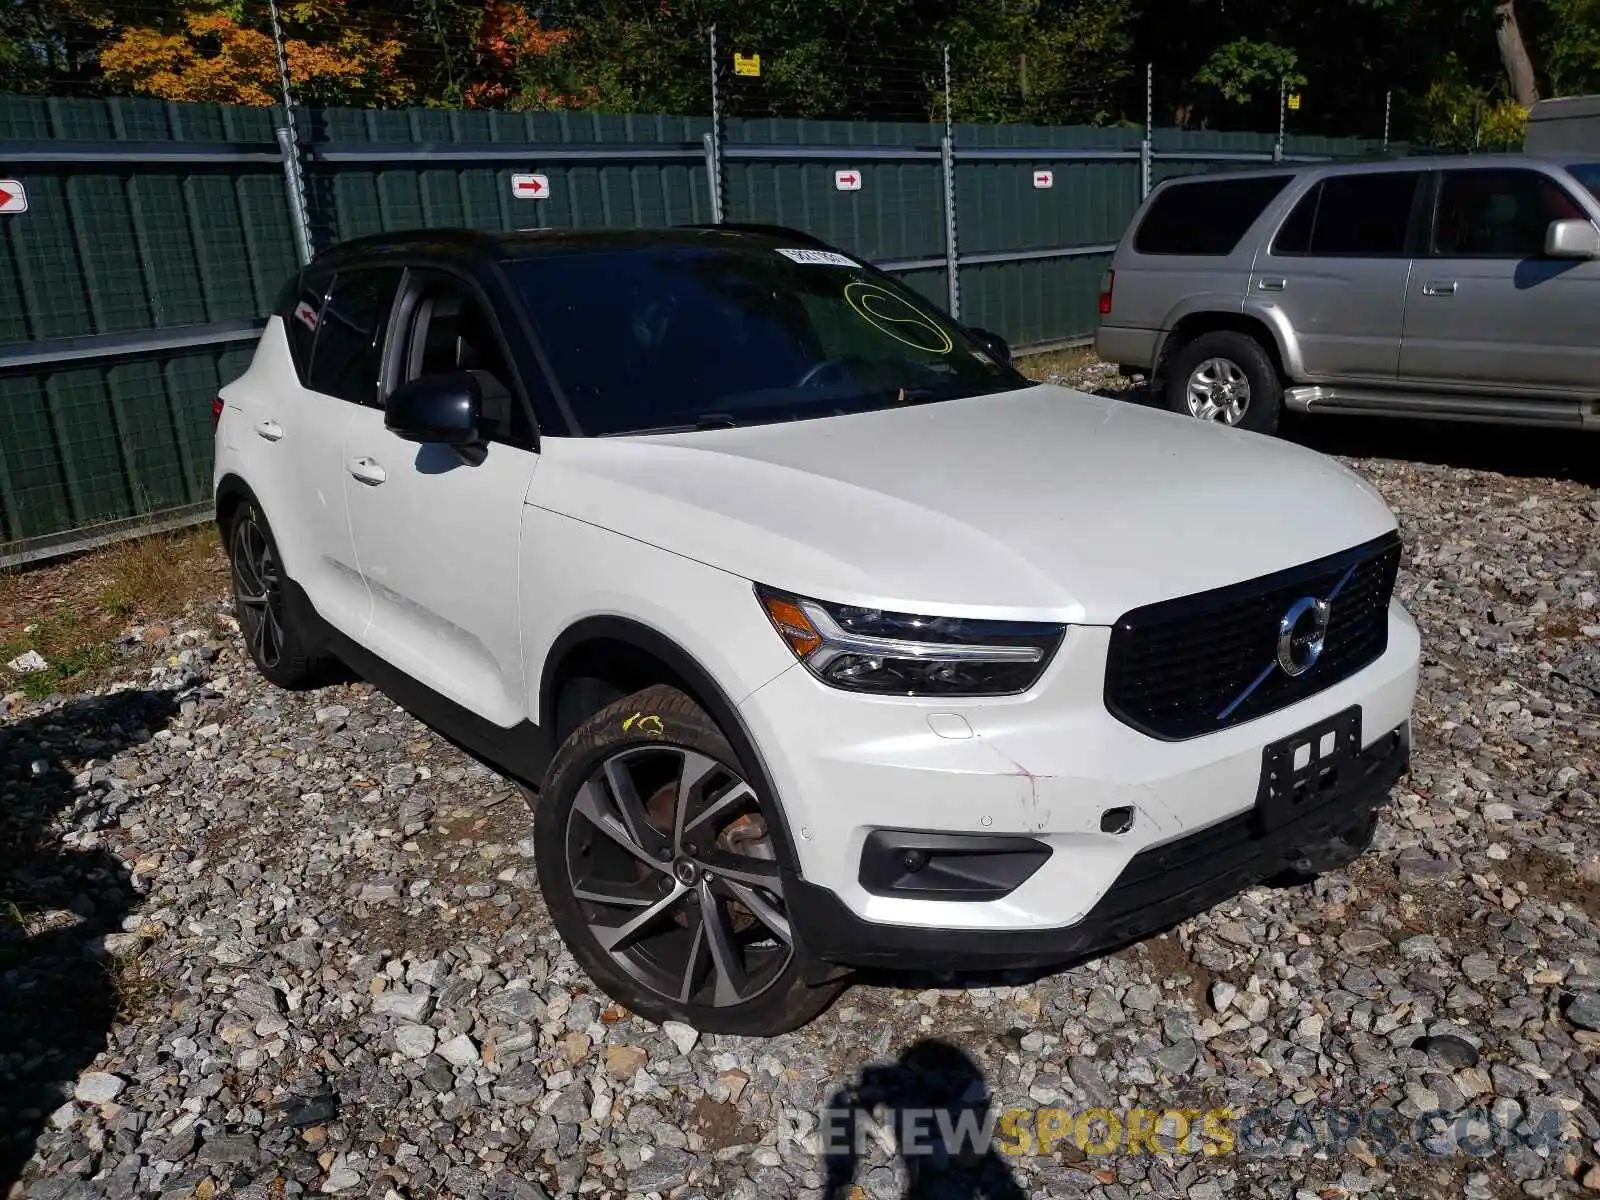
(934, 1099)
(57, 1001)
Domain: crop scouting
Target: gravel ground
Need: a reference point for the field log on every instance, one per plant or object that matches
(265, 944)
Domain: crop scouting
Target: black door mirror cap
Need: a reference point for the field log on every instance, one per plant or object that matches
(440, 409)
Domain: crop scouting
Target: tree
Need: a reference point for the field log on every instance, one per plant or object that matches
(208, 53)
(1240, 69)
(1514, 54)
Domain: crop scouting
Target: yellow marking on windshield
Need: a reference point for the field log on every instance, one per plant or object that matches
(893, 315)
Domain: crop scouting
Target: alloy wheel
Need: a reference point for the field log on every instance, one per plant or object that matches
(257, 591)
(670, 859)
(1218, 391)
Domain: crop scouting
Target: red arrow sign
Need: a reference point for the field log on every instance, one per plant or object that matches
(847, 180)
(13, 197)
(530, 187)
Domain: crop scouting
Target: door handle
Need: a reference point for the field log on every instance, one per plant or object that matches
(1272, 285)
(367, 471)
(270, 430)
(1439, 289)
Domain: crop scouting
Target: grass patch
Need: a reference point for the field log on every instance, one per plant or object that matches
(73, 612)
(1070, 361)
(71, 646)
(159, 575)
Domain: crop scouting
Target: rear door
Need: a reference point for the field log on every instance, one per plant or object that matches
(437, 532)
(1338, 267)
(1486, 310)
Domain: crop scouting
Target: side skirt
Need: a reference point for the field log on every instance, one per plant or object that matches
(521, 752)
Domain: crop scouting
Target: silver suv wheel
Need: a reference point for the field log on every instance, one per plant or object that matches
(1218, 391)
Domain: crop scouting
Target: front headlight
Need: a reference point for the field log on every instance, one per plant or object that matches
(898, 654)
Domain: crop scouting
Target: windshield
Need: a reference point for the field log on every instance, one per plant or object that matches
(1587, 174)
(669, 337)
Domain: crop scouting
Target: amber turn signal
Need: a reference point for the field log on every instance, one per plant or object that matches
(792, 624)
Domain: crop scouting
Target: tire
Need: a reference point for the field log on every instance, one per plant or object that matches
(644, 826)
(1230, 359)
(278, 634)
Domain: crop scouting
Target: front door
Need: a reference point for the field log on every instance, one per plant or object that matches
(1486, 310)
(437, 532)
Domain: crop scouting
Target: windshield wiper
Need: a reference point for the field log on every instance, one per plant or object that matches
(714, 420)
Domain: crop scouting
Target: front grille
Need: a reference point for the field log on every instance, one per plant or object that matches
(1174, 668)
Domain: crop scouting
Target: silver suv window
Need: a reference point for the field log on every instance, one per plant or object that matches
(1352, 216)
(1205, 216)
(1498, 213)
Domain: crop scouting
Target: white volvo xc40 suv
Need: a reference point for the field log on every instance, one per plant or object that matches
(821, 636)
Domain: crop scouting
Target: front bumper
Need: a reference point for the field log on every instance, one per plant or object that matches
(1051, 769)
(1160, 887)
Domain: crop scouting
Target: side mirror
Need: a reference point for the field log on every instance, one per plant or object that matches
(442, 409)
(993, 343)
(1572, 239)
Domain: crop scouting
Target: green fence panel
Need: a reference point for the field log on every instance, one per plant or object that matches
(122, 247)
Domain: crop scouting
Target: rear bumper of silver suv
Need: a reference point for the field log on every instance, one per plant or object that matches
(1127, 347)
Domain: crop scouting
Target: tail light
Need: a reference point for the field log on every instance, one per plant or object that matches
(216, 413)
(1106, 284)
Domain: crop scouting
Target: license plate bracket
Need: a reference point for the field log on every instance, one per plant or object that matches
(1301, 771)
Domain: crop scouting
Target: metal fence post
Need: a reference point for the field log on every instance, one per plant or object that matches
(1149, 129)
(1283, 121)
(1388, 98)
(294, 183)
(947, 165)
(714, 138)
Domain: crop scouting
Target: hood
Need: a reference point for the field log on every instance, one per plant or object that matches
(1042, 503)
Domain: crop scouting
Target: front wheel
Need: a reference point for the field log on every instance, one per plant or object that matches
(1227, 377)
(656, 857)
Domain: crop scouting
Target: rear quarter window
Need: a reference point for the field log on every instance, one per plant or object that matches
(1205, 216)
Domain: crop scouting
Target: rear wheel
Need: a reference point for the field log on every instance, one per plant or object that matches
(656, 858)
(276, 633)
(1227, 377)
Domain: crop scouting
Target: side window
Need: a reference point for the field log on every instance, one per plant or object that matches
(1498, 213)
(1206, 217)
(1352, 216)
(1294, 235)
(451, 331)
(350, 334)
(300, 306)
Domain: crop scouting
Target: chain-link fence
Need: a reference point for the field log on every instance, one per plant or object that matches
(156, 234)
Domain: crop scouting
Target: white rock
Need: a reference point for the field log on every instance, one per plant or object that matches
(28, 662)
(409, 1006)
(1498, 812)
(1222, 994)
(459, 1051)
(684, 1037)
(98, 1087)
(339, 1179)
(415, 1041)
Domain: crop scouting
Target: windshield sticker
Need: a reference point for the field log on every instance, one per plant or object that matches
(893, 315)
(817, 258)
(306, 315)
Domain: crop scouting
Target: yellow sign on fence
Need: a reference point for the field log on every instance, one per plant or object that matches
(746, 64)
(1294, 101)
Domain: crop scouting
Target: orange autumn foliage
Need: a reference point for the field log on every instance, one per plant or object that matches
(216, 60)
(333, 58)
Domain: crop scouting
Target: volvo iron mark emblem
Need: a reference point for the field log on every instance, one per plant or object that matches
(1301, 633)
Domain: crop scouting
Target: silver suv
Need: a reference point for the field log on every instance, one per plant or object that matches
(1461, 288)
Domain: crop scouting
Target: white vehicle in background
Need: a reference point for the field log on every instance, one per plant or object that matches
(825, 637)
